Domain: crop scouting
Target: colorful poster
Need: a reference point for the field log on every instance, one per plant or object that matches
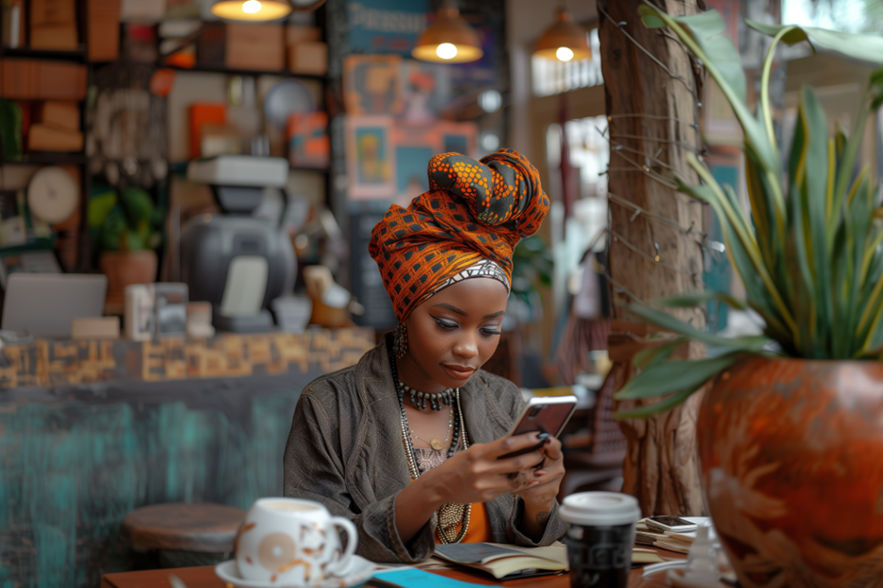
(369, 156)
(385, 26)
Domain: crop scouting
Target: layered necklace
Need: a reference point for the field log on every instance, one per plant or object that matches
(436, 399)
(448, 516)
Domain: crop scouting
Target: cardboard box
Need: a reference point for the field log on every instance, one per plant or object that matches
(210, 45)
(57, 37)
(104, 29)
(48, 138)
(296, 33)
(308, 58)
(200, 114)
(53, 12)
(36, 79)
(255, 47)
(12, 18)
(98, 327)
(139, 312)
(64, 114)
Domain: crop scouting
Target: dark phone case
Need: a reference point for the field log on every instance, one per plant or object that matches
(542, 436)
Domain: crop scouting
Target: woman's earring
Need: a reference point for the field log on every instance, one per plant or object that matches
(400, 341)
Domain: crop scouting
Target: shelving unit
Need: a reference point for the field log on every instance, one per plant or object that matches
(49, 158)
(246, 72)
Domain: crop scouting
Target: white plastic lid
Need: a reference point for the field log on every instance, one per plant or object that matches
(600, 508)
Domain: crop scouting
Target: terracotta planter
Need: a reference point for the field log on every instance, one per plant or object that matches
(123, 268)
(792, 469)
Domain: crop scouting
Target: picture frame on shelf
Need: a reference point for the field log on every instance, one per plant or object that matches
(308, 141)
(414, 146)
(372, 84)
(460, 137)
(369, 156)
(426, 89)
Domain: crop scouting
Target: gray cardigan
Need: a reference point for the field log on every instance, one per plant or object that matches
(345, 451)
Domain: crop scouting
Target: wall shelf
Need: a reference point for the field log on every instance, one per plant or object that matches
(78, 55)
(46, 158)
(244, 72)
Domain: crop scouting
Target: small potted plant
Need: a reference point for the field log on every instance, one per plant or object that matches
(790, 433)
(125, 225)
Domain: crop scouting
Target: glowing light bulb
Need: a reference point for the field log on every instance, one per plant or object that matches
(251, 6)
(446, 50)
(564, 53)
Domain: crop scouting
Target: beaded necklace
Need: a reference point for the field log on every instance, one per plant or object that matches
(448, 515)
(436, 399)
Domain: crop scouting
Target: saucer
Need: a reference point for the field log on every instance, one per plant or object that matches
(356, 573)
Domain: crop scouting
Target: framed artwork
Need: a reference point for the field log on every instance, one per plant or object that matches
(370, 157)
(372, 84)
(426, 90)
(459, 137)
(414, 147)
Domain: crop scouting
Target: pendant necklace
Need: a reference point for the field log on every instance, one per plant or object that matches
(435, 443)
(448, 516)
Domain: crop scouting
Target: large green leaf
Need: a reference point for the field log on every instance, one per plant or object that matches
(709, 31)
(864, 47)
(651, 409)
(694, 299)
(670, 323)
(674, 375)
(658, 352)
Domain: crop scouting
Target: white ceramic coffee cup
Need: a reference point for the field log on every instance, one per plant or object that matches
(292, 542)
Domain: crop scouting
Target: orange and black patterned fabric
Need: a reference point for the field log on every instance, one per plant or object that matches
(473, 211)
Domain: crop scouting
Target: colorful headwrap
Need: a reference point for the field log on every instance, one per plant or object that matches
(473, 213)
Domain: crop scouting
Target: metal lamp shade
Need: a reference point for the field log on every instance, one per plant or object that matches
(251, 10)
(453, 34)
(563, 33)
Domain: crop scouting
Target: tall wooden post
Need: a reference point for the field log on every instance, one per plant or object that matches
(651, 94)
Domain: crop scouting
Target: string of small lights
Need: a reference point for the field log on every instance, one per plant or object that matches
(648, 159)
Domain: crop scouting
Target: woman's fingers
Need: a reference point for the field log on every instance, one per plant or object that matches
(552, 449)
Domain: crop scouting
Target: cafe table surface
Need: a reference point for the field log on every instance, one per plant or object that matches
(204, 577)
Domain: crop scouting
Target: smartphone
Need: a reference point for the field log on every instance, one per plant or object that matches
(547, 415)
(670, 523)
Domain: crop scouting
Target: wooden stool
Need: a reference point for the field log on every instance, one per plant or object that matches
(184, 534)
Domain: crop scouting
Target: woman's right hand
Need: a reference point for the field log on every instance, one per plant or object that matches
(481, 473)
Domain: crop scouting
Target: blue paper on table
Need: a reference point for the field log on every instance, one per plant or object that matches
(415, 578)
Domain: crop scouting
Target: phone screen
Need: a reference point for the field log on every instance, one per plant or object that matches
(671, 520)
(545, 418)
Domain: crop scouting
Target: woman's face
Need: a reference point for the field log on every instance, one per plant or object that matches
(452, 334)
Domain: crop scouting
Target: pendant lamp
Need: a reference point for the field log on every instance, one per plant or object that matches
(449, 39)
(564, 40)
(251, 10)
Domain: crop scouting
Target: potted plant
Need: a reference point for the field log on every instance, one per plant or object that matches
(790, 433)
(125, 229)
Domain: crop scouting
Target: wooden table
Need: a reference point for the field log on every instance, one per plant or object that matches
(204, 577)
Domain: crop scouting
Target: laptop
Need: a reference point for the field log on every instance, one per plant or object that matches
(43, 305)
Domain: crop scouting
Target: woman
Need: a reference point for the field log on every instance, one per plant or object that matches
(411, 442)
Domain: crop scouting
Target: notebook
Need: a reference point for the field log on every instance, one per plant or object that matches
(43, 305)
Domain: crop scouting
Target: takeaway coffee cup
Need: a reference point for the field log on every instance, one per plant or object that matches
(292, 542)
(600, 539)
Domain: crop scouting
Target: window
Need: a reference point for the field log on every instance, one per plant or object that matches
(552, 77)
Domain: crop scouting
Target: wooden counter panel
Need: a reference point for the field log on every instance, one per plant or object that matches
(137, 424)
(62, 363)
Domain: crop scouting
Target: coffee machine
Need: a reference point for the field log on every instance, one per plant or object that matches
(236, 261)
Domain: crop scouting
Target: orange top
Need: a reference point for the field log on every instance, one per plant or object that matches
(479, 526)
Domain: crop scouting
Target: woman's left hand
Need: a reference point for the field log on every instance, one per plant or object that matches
(539, 498)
